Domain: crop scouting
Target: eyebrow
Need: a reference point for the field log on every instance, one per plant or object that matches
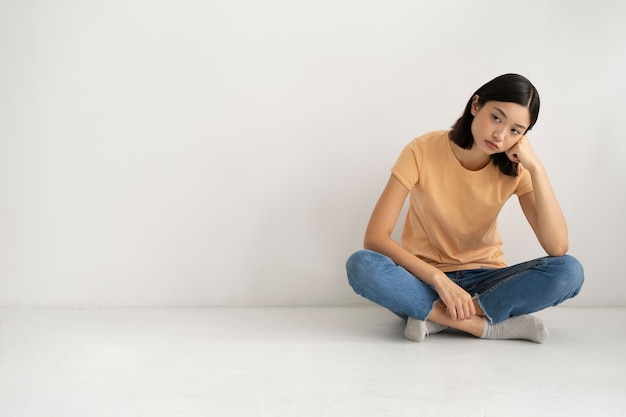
(505, 116)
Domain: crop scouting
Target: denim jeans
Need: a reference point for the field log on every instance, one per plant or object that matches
(501, 293)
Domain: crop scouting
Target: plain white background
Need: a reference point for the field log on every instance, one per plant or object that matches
(194, 153)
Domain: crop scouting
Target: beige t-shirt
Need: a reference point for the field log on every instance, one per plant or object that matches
(451, 222)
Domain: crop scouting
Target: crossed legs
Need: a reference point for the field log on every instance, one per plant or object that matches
(507, 296)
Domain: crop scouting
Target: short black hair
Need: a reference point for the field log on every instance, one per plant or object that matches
(511, 88)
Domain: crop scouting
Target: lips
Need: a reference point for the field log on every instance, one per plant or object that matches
(492, 145)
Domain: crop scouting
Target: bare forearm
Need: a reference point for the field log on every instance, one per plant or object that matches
(551, 225)
(383, 243)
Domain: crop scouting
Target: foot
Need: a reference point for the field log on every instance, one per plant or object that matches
(525, 327)
(416, 330)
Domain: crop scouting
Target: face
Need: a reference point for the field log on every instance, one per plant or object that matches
(498, 125)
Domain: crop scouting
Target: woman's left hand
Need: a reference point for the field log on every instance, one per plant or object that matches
(522, 152)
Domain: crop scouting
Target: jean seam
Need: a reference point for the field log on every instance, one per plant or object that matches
(541, 262)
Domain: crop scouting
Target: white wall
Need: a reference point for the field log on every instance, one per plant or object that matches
(188, 153)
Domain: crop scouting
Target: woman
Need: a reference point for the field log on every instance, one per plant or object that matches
(450, 270)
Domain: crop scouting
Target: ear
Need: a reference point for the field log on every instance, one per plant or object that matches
(475, 106)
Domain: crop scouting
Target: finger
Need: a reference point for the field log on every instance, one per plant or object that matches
(452, 313)
(466, 312)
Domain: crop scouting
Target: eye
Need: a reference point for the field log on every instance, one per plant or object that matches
(515, 132)
(495, 118)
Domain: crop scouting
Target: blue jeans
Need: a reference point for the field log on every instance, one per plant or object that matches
(501, 293)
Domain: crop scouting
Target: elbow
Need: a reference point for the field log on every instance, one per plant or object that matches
(369, 243)
(557, 253)
(555, 243)
(558, 249)
(373, 241)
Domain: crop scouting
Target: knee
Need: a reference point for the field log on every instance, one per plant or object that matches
(574, 270)
(360, 267)
(571, 275)
(357, 266)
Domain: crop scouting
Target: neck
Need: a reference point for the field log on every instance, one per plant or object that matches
(471, 159)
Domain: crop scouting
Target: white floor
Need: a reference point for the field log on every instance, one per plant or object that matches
(294, 362)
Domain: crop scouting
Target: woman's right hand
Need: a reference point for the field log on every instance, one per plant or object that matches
(459, 303)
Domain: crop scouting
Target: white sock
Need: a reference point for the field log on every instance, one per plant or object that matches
(433, 327)
(524, 327)
(416, 330)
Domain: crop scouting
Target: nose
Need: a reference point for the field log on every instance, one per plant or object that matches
(498, 135)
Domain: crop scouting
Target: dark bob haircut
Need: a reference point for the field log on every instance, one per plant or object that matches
(510, 88)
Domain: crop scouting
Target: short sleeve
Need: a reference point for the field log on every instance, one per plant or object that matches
(406, 168)
(525, 184)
